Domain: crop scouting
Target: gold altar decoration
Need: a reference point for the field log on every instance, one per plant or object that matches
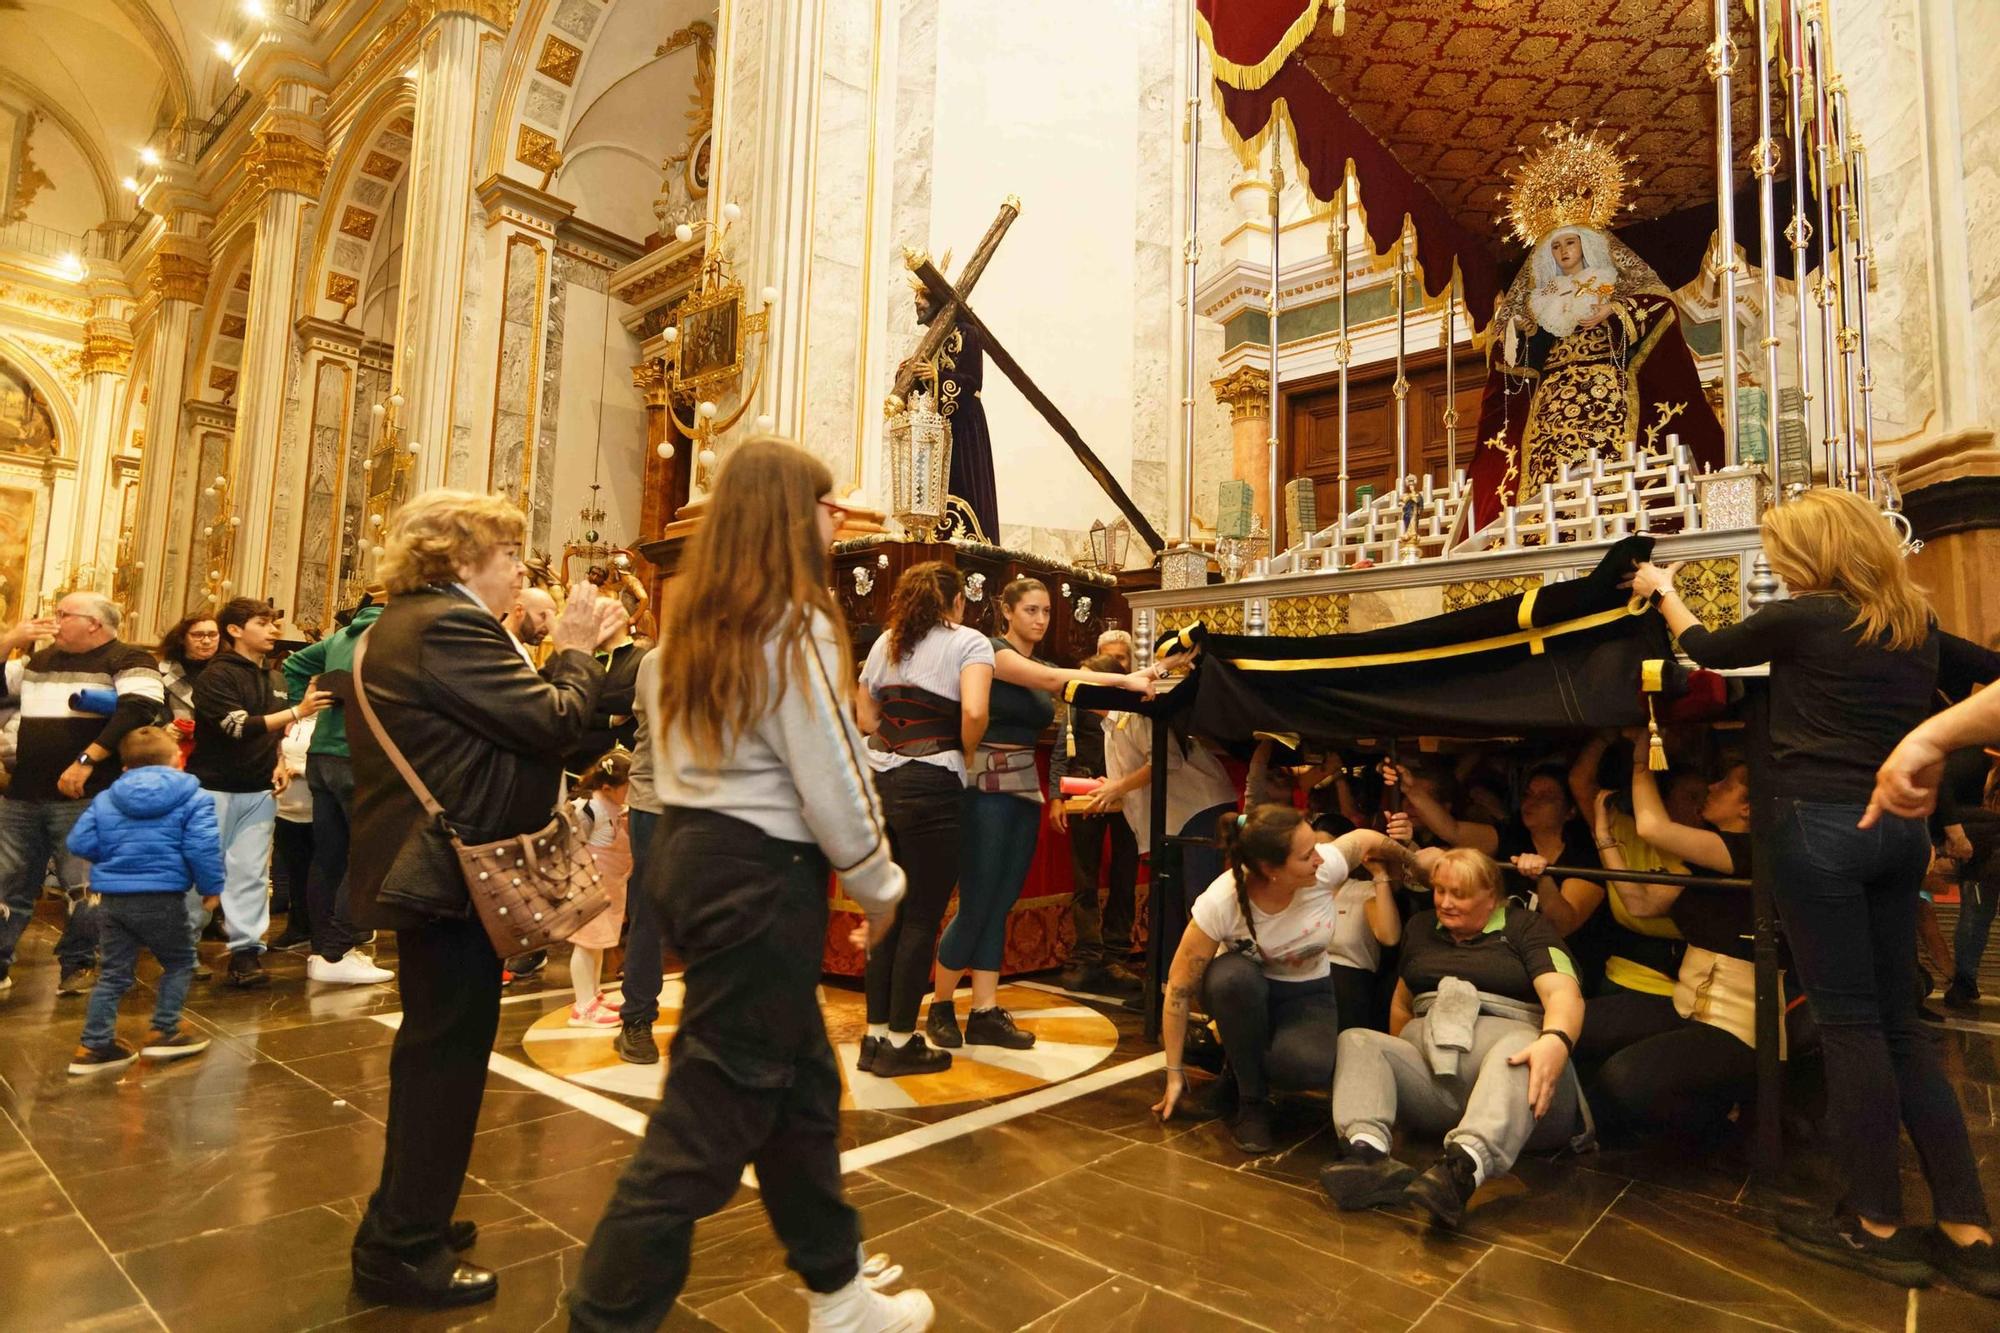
(386, 472)
(1318, 613)
(706, 345)
(919, 444)
(1478, 592)
(1572, 180)
(1709, 587)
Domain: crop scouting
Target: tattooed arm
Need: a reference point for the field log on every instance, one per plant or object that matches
(1190, 964)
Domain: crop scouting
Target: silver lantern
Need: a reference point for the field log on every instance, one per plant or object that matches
(919, 441)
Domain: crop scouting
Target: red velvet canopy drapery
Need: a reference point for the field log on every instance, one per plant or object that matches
(1432, 100)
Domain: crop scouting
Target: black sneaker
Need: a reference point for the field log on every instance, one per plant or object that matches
(1975, 1267)
(290, 939)
(1963, 999)
(101, 1059)
(1251, 1129)
(1366, 1177)
(995, 1027)
(1903, 1259)
(246, 970)
(634, 1043)
(77, 980)
(1443, 1190)
(866, 1061)
(941, 1025)
(527, 964)
(912, 1057)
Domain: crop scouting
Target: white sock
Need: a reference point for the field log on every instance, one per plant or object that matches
(902, 1038)
(1372, 1140)
(1478, 1159)
(878, 1030)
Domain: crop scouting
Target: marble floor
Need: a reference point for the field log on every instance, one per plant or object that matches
(220, 1194)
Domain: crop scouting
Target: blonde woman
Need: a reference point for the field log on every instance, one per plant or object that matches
(1856, 660)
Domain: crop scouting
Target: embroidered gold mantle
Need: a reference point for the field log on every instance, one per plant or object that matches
(1587, 400)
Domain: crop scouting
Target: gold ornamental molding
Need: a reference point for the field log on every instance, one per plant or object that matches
(177, 277)
(537, 149)
(1247, 391)
(282, 161)
(48, 303)
(106, 351)
(559, 60)
(650, 378)
(499, 13)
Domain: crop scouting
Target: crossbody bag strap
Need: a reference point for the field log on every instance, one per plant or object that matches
(423, 793)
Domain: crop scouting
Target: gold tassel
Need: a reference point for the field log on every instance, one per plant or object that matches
(1652, 679)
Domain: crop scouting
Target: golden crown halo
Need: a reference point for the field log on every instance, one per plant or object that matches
(1573, 180)
(914, 259)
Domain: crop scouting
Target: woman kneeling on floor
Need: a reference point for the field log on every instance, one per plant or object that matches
(1480, 1034)
(1259, 951)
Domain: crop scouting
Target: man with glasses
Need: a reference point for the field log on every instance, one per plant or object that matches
(66, 756)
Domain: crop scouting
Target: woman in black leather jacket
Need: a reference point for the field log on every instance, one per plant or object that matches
(486, 733)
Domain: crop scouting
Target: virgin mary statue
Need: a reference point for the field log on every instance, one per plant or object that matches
(1588, 356)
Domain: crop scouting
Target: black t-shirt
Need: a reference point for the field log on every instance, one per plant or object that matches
(1600, 937)
(1516, 947)
(1837, 706)
(233, 752)
(1719, 920)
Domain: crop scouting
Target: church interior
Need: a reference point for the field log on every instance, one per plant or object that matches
(1424, 304)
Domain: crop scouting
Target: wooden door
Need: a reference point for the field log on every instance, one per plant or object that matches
(1312, 427)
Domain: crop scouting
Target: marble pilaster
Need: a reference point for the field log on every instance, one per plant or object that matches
(176, 280)
(519, 245)
(331, 370)
(107, 366)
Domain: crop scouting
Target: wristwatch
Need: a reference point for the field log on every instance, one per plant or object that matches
(86, 759)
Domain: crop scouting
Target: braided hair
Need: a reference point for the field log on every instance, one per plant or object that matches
(1259, 839)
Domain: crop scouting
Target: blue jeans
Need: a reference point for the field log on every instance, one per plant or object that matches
(996, 848)
(1848, 897)
(156, 922)
(244, 819)
(31, 832)
(643, 962)
(1976, 898)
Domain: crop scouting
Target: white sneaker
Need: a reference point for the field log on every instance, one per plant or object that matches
(862, 1307)
(6, 984)
(592, 1015)
(353, 969)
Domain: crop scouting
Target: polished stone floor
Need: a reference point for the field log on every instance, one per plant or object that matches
(219, 1194)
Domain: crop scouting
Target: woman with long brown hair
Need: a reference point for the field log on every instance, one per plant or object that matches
(1856, 659)
(764, 789)
(922, 700)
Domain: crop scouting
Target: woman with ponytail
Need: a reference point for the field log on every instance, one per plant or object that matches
(1258, 950)
(922, 703)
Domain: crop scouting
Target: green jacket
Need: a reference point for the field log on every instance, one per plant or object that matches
(335, 652)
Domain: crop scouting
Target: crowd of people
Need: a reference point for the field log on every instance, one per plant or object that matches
(1438, 945)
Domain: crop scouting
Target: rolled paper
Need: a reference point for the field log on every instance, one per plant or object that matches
(1081, 786)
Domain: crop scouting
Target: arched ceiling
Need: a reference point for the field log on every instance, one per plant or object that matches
(109, 72)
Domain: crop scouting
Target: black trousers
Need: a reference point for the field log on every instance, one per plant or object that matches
(1616, 1018)
(921, 803)
(449, 977)
(1103, 932)
(331, 778)
(1280, 1034)
(1682, 1081)
(645, 971)
(751, 1078)
(291, 872)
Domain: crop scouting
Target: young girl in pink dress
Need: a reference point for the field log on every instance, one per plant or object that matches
(599, 799)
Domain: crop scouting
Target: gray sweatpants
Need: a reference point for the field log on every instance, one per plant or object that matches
(1379, 1079)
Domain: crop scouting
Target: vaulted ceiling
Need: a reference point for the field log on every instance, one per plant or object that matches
(109, 72)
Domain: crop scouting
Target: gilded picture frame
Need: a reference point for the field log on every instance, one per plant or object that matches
(711, 340)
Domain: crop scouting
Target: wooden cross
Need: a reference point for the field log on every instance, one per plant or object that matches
(952, 309)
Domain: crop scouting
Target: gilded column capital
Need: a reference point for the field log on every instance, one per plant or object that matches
(280, 160)
(650, 378)
(107, 347)
(173, 276)
(1247, 391)
(499, 13)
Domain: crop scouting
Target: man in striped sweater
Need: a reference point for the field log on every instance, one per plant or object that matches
(65, 757)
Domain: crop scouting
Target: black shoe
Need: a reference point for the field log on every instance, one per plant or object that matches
(1975, 1267)
(76, 980)
(1251, 1129)
(405, 1284)
(246, 970)
(941, 1025)
(1123, 980)
(995, 1027)
(1090, 978)
(101, 1059)
(1928, 1014)
(869, 1045)
(291, 941)
(462, 1235)
(912, 1057)
(527, 964)
(634, 1043)
(1961, 998)
(1443, 1190)
(1366, 1177)
(1903, 1259)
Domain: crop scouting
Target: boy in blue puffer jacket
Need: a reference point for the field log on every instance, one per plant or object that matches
(148, 835)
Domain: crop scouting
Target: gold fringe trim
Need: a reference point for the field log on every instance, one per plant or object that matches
(1252, 77)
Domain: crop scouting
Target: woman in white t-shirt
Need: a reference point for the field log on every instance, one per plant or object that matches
(1260, 949)
(922, 703)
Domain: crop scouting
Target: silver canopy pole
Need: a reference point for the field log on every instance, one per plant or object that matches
(1765, 165)
(1402, 386)
(1190, 266)
(1847, 256)
(1721, 57)
(1864, 268)
(1799, 232)
(1343, 353)
(1271, 438)
(1829, 271)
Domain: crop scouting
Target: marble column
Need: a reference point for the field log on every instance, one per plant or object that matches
(287, 166)
(176, 280)
(1246, 391)
(519, 250)
(430, 325)
(107, 365)
(330, 372)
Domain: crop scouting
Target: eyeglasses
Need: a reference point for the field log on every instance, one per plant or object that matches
(838, 511)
